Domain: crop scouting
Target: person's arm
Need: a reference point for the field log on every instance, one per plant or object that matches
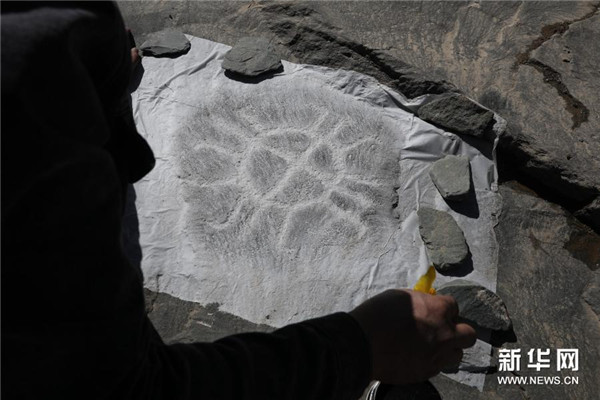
(324, 358)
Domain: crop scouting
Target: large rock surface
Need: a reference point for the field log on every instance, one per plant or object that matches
(533, 62)
(296, 31)
(549, 279)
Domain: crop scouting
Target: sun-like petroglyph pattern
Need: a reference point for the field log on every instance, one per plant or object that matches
(287, 178)
(283, 199)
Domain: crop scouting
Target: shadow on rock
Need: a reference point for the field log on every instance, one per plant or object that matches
(495, 337)
(498, 338)
(169, 55)
(486, 147)
(463, 269)
(467, 206)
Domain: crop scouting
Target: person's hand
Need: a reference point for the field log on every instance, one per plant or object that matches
(135, 57)
(413, 336)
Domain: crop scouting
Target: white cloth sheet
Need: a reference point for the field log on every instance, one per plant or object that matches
(277, 199)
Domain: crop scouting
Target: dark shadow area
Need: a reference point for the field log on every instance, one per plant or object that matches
(475, 369)
(542, 184)
(253, 79)
(417, 391)
(467, 206)
(494, 337)
(483, 334)
(485, 146)
(131, 230)
(177, 54)
(545, 181)
(583, 244)
(541, 179)
(136, 77)
(464, 269)
(498, 338)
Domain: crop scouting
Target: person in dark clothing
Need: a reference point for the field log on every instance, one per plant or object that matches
(73, 319)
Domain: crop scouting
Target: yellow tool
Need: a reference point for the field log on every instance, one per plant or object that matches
(425, 283)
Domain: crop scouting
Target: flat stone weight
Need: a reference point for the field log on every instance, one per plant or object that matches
(452, 177)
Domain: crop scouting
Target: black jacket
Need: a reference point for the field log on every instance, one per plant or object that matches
(73, 320)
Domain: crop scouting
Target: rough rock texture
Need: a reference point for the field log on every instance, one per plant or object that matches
(539, 243)
(478, 304)
(456, 113)
(251, 57)
(451, 176)
(296, 31)
(165, 44)
(549, 278)
(180, 321)
(590, 214)
(444, 240)
(535, 63)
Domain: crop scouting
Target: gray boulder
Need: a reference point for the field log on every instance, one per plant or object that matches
(456, 113)
(478, 304)
(165, 44)
(451, 176)
(444, 240)
(251, 57)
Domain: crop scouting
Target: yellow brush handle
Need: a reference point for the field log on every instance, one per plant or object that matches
(425, 283)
